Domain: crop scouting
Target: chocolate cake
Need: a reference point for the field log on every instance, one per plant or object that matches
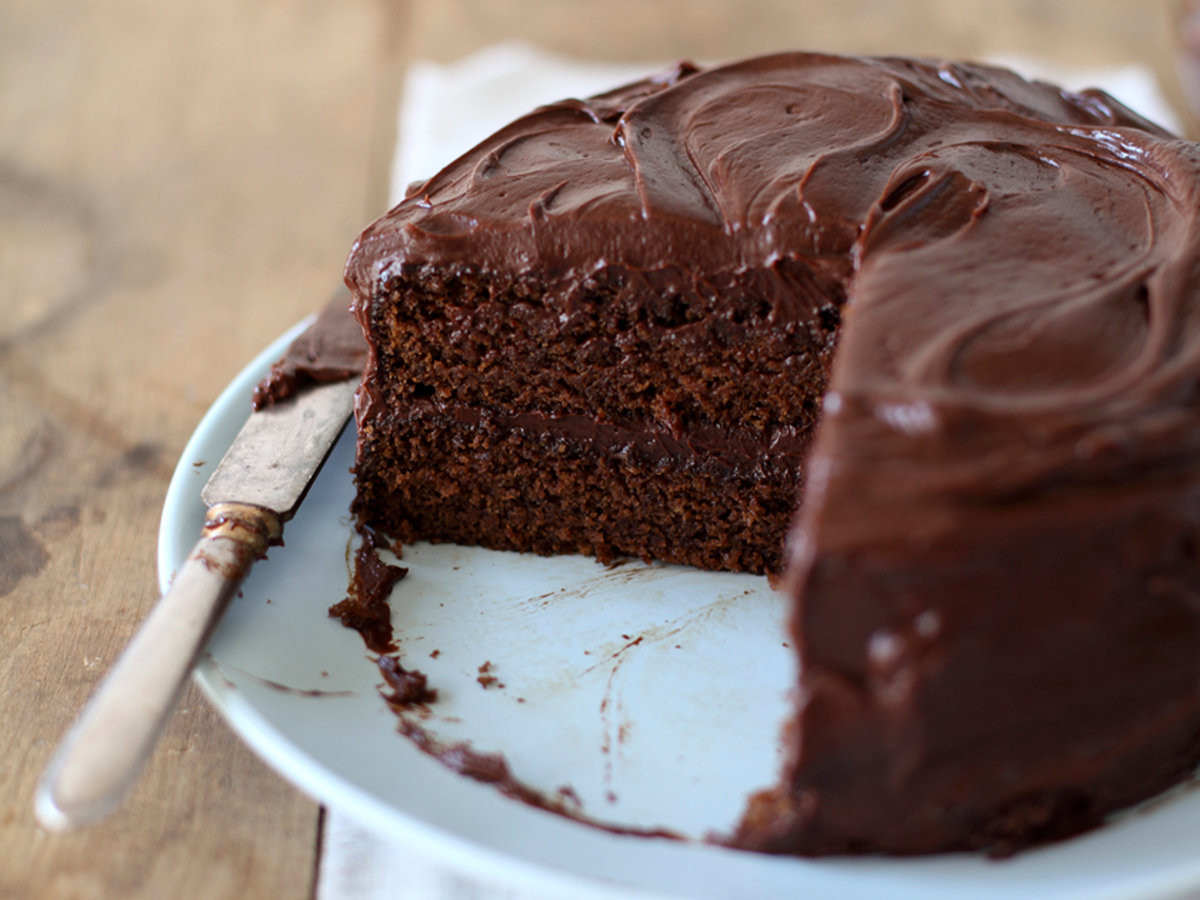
(940, 321)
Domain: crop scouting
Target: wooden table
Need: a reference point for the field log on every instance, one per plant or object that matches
(178, 184)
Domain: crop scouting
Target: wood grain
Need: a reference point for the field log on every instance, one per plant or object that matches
(1072, 32)
(178, 184)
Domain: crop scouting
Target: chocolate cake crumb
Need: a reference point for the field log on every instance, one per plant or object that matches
(366, 609)
(409, 687)
(486, 678)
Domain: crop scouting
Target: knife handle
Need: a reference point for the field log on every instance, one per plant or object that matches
(101, 756)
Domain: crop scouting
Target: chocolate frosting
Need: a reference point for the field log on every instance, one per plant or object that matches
(331, 349)
(736, 166)
(995, 567)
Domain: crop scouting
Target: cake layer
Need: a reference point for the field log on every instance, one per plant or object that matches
(570, 486)
(742, 351)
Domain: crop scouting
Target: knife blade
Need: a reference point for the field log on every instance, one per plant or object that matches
(254, 490)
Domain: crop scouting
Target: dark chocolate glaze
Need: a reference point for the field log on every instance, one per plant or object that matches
(493, 769)
(995, 566)
(331, 349)
(744, 453)
(741, 165)
(365, 608)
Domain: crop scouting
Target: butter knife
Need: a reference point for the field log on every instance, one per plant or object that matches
(254, 490)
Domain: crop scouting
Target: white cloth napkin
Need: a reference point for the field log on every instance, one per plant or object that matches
(445, 110)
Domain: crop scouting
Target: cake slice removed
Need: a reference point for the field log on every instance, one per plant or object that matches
(612, 328)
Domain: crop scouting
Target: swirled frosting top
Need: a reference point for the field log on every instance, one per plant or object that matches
(730, 166)
(1020, 261)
